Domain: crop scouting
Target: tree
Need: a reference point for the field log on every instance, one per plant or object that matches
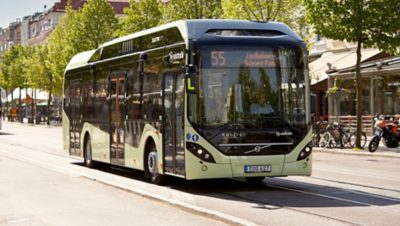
(12, 69)
(140, 15)
(365, 22)
(39, 75)
(191, 9)
(78, 31)
(93, 25)
(290, 12)
(58, 51)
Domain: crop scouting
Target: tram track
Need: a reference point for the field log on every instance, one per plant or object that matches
(356, 184)
(272, 205)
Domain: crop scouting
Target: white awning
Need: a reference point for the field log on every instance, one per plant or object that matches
(38, 95)
(337, 60)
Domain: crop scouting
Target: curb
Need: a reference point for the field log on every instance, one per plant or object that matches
(109, 181)
(359, 153)
(225, 218)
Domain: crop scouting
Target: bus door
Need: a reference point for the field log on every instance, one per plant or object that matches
(173, 101)
(117, 122)
(75, 117)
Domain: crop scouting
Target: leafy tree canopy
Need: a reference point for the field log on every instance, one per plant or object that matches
(140, 15)
(372, 22)
(191, 9)
(93, 25)
(290, 12)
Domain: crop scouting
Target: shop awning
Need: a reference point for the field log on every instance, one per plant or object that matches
(331, 61)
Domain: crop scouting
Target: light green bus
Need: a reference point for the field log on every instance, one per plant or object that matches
(194, 99)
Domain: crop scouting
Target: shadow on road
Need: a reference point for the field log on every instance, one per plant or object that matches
(3, 133)
(272, 191)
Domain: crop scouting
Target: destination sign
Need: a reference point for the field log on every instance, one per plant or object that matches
(237, 58)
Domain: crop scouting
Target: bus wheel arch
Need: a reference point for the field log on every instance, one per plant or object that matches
(151, 162)
(87, 152)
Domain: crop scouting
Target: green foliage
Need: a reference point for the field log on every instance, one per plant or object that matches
(78, 31)
(373, 22)
(60, 48)
(140, 15)
(14, 61)
(93, 25)
(366, 22)
(191, 9)
(290, 12)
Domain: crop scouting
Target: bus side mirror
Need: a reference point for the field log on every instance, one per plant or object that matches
(191, 78)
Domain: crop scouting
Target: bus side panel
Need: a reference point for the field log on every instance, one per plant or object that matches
(100, 141)
(293, 166)
(66, 128)
(134, 157)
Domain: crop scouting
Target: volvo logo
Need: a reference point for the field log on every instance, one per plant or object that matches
(257, 149)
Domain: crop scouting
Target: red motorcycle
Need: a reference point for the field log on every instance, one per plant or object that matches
(388, 132)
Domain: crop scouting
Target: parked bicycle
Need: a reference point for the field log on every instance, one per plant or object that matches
(335, 135)
(318, 129)
(352, 137)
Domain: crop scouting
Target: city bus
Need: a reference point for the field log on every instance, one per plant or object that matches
(194, 99)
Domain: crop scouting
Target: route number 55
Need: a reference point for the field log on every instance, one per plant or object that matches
(218, 58)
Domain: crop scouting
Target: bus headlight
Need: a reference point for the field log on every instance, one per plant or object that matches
(307, 150)
(200, 152)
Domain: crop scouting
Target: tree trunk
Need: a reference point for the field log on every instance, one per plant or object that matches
(7, 104)
(358, 95)
(12, 103)
(33, 108)
(19, 115)
(48, 109)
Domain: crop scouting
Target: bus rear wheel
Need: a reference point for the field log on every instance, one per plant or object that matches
(151, 166)
(88, 153)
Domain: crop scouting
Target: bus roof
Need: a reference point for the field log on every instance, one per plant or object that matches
(190, 30)
(80, 60)
(195, 29)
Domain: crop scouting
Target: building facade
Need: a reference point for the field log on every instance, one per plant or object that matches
(380, 88)
(35, 29)
(332, 74)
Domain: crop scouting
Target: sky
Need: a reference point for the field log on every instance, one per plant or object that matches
(10, 10)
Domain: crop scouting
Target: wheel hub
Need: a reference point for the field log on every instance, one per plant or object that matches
(152, 162)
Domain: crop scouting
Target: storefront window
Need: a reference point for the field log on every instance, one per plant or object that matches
(387, 95)
(346, 97)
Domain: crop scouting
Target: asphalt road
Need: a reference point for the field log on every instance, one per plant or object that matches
(351, 189)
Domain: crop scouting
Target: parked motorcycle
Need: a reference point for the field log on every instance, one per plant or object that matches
(388, 132)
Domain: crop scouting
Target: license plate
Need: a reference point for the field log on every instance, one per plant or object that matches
(257, 169)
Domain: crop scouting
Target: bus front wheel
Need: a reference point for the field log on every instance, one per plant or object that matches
(151, 166)
(88, 153)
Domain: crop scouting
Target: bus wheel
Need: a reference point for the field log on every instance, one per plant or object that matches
(151, 166)
(88, 153)
(254, 180)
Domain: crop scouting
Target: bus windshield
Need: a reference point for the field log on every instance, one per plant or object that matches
(250, 88)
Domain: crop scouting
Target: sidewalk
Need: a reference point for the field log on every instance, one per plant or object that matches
(381, 152)
(25, 123)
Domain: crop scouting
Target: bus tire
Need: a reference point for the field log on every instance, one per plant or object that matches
(88, 161)
(151, 165)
